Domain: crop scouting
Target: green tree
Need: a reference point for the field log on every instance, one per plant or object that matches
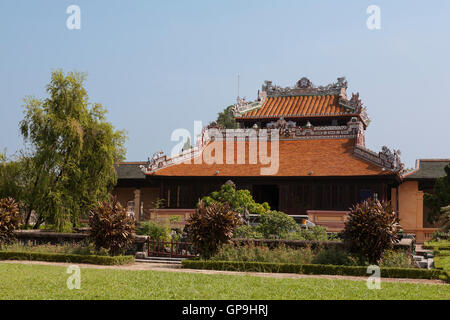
(440, 198)
(19, 180)
(276, 224)
(226, 119)
(239, 200)
(445, 219)
(72, 151)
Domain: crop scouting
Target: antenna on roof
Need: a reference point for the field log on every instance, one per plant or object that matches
(238, 84)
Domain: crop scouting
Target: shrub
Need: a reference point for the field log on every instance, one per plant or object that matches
(239, 200)
(440, 235)
(254, 253)
(371, 229)
(66, 248)
(335, 256)
(155, 230)
(397, 259)
(276, 224)
(9, 219)
(317, 233)
(111, 227)
(61, 257)
(312, 269)
(247, 232)
(211, 226)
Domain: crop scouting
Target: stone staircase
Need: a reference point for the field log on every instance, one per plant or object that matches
(423, 257)
(142, 257)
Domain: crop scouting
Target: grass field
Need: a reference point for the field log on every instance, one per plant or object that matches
(20, 281)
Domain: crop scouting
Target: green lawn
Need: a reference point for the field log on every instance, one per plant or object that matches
(19, 281)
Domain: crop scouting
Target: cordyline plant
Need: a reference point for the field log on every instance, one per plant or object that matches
(9, 220)
(211, 226)
(111, 227)
(372, 228)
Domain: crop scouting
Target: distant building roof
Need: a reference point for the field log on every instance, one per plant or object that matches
(428, 169)
(130, 170)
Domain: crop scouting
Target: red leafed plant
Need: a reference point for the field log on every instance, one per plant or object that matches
(372, 228)
(111, 227)
(211, 226)
(9, 219)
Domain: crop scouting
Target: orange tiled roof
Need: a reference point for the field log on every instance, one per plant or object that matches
(298, 106)
(324, 157)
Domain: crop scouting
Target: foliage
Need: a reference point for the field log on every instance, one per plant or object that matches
(440, 197)
(316, 233)
(239, 200)
(71, 152)
(319, 269)
(439, 235)
(9, 219)
(280, 254)
(155, 230)
(444, 219)
(111, 227)
(211, 226)
(226, 120)
(371, 229)
(83, 248)
(397, 258)
(64, 257)
(437, 245)
(247, 232)
(276, 224)
(335, 256)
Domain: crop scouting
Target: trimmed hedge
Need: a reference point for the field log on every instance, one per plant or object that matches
(317, 269)
(60, 257)
(441, 245)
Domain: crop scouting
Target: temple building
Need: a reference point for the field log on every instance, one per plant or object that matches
(301, 149)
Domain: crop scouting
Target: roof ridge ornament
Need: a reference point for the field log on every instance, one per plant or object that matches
(305, 86)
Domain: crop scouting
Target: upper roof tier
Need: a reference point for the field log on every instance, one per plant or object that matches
(304, 100)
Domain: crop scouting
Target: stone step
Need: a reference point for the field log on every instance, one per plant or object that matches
(422, 264)
(423, 252)
(160, 261)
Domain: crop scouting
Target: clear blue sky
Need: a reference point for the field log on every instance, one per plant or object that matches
(160, 65)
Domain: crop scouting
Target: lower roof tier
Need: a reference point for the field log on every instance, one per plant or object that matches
(296, 158)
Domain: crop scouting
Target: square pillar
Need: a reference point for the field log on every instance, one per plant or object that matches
(137, 205)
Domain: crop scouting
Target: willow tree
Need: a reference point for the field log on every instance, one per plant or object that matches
(72, 149)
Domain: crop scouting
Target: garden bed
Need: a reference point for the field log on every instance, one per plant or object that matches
(39, 237)
(441, 252)
(63, 257)
(404, 244)
(316, 269)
